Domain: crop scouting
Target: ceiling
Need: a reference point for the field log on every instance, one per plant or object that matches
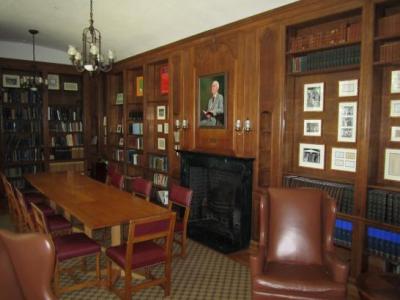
(127, 26)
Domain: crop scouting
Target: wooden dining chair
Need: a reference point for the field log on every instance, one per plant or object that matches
(142, 252)
(67, 247)
(180, 198)
(114, 178)
(14, 207)
(142, 187)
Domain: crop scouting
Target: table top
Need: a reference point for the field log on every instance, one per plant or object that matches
(94, 203)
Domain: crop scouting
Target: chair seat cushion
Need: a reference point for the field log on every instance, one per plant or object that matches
(47, 210)
(58, 222)
(74, 245)
(144, 254)
(298, 280)
(178, 226)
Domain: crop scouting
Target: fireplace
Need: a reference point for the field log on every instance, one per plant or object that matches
(220, 213)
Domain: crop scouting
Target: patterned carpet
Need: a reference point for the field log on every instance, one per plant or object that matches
(203, 274)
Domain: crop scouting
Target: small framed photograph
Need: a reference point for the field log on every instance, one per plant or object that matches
(312, 156)
(314, 96)
(161, 143)
(347, 122)
(53, 82)
(395, 108)
(119, 128)
(161, 112)
(392, 164)
(166, 128)
(348, 88)
(159, 128)
(119, 99)
(71, 86)
(395, 134)
(12, 81)
(312, 128)
(344, 159)
(395, 82)
(139, 86)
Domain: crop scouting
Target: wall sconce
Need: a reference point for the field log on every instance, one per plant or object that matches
(238, 125)
(177, 124)
(185, 124)
(247, 125)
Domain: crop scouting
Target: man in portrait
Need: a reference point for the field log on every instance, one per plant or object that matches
(214, 114)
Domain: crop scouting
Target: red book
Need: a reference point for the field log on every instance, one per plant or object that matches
(164, 82)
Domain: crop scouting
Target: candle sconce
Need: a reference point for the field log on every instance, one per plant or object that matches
(246, 125)
(185, 124)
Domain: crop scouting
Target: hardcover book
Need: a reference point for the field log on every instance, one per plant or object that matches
(164, 80)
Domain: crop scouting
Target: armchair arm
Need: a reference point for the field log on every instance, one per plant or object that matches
(337, 267)
(257, 262)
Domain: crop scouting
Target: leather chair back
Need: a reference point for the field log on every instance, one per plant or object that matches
(180, 195)
(142, 187)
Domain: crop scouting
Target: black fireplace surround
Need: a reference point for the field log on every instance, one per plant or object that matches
(220, 213)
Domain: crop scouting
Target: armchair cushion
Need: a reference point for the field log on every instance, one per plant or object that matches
(74, 245)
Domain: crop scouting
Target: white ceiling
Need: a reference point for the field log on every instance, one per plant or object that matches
(127, 26)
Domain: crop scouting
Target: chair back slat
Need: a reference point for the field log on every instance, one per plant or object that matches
(28, 222)
(40, 219)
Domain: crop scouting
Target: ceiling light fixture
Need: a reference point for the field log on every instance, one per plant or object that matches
(34, 81)
(91, 59)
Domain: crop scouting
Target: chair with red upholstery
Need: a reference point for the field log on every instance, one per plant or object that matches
(180, 197)
(142, 252)
(296, 258)
(67, 247)
(116, 179)
(26, 266)
(141, 187)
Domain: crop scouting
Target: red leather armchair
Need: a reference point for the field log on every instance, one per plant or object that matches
(26, 266)
(296, 257)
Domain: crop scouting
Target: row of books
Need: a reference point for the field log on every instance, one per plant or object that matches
(22, 113)
(342, 233)
(71, 140)
(118, 155)
(16, 172)
(331, 58)
(389, 52)
(339, 34)
(67, 153)
(135, 158)
(21, 96)
(160, 180)
(159, 163)
(389, 26)
(135, 128)
(66, 126)
(383, 243)
(135, 142)
(383, 206)
(25, 126)
(136, 116)
(25, 154)
(13, 141)
(64, 113)
(343, 193)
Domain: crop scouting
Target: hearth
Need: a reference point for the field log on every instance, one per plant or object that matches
(220, 215)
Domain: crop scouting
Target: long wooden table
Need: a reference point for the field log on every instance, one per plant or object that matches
(95, 204)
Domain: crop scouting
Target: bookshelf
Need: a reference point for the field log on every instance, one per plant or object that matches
(22, 143)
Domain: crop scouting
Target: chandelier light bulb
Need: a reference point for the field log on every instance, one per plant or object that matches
(110, 55)
(71, 50)
(93, 49)
(78, 56)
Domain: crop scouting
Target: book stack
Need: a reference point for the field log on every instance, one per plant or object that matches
(118, 155)
(342, 233)
(60, 154)
(159, 163)
(342, 193)
(384, 243)
(326, 59)
(62, 126)
(22, 126)
(354, 32)
(389, 26)
(134, 158)
(389, 52)
(135, 128)
(160, 180)
(74, 139)
(77, 153)
(21, 96)
(135, 142)
(136, 116)
(25, 154)
(22, 113)
(383, 206)
(64, 113)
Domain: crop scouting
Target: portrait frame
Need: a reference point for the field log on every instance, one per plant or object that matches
(314, 96)
(53, 82)
(312, 156)
(348, 88)
(344, 159)
(161, 144)
(71, 86)
(395, 82)
(395, 134)
(11, 81)
(205, 119)
(394, 108)
(312, 127)
(161, 112)
(392, 163)
(347, 122)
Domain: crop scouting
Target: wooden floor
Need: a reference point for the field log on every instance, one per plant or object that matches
(242, 257)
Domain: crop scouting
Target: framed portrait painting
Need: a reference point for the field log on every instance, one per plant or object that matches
(212, 100)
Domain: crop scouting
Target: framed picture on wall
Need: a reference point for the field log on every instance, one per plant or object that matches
(395, 82)
(212, 100)
(161, 112)
(53, 82)
(312, 156)
(395, 134)
(392, 164)
(314, 96)
(312, 128)
(395, 108)
(348, 88)
(161, 143)
(344, 159)
(71, 86)
(139, 86)
(12, 81)
(347, 121)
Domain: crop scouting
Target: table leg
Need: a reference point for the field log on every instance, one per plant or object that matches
(88, 231)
